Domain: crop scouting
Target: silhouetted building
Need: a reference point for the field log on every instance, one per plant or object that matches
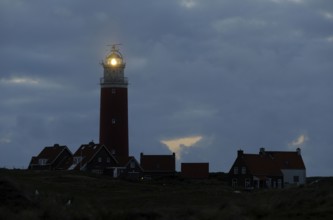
(127, 168)
(50, 158)
(268, 169)
(195, 170)
(158, 165)
(92, 157)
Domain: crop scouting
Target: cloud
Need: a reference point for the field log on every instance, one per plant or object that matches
(188, 3)
(287, 1)
(5, 140)
(179, 144)
(20, 80)
(31, 82)
(299, 141)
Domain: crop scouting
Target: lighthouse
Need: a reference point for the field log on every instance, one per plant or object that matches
(113, 132)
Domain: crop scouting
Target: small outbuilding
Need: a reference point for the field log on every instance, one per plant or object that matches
(158, 165)
(195, 170)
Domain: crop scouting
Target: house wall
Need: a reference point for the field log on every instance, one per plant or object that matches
(195, 170)
(292, 175)
(39, 167)
(242, 178)
(132, 170)
(268, 182)
(158, 165)
(99, 165)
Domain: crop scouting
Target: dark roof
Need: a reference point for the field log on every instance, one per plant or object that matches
(124, 161)
(287, 160)
(261, 165)
(271, 162)
(158, 163)
(87, 152)
(51, 153)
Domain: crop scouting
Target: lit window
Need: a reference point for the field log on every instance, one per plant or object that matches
(235, 170)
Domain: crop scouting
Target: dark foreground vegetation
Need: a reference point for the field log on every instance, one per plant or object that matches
(63, 195)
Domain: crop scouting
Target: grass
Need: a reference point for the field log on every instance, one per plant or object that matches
(100, 197)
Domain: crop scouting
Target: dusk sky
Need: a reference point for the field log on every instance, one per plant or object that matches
(207, 77)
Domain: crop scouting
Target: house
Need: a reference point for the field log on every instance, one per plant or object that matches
(268, 169)
(92, 157)
(127, 167)
(158, 165)
(195, 170)
(98, 159)
(50, 158)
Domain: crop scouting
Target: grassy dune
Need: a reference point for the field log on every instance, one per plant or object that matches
(46, 195)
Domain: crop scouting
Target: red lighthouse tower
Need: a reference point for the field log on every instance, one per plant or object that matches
(113, 132)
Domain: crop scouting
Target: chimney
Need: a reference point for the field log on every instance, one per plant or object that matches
(240, 153)
(298, 150)
(262, 151)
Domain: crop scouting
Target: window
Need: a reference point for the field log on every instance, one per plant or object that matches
(113, 151)
(42, 162)
(77, 160)
(108, 159)
(243, 170)
(132, 165)
(296, 179)
(99, 160)
(113, 121)
(235, 170)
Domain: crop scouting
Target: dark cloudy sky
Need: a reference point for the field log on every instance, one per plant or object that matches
(206, 77)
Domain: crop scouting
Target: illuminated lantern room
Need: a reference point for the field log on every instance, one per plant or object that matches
(114, 58)
(114, 66)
